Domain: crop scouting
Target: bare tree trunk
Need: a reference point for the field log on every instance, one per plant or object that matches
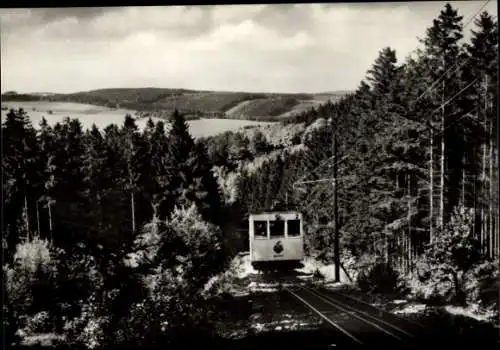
(26, 217)
(409, 224)
(401, 246)
(37, 218)
(50, 219)
(441, 189)
(483, 172)
(463, 172)
(490, 195)
(474, 232)
(496, 200)
(431, 189)
(132, 203)
(386, 241)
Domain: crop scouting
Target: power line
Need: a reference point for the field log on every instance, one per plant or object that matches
(477, 12)
(456, 65)
(455, 96)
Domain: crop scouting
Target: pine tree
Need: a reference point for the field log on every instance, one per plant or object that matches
(160, 172)
(483, 57)
(131, 154)
(21, 174)
(179, 150)
(239, 148)
(46, 140)
(204, 190)
(96, 183)
(115, 198)
(441, 50)
(69, 187)
(259, 144)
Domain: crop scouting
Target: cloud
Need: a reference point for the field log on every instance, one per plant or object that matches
(27, 19)
(251, 36)
(286, 47)
(287, 19)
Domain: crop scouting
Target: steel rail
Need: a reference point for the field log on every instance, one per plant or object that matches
(366, 314)
(352, 313)
(376, 308)
(326, 318)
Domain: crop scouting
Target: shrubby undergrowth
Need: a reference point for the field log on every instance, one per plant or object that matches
(380, 278)
(453, 269)
(155, 293)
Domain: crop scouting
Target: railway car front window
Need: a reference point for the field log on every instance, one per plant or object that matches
(293, 228)
(277, 228)
(260, 229)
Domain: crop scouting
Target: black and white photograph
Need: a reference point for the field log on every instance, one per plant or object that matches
(251, 176)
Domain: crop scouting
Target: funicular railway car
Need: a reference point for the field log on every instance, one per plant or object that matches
(276, 239)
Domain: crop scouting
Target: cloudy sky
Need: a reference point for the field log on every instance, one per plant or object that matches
(275, 48)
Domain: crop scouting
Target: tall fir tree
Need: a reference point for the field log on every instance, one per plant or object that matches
(20, 176)
(442, 47)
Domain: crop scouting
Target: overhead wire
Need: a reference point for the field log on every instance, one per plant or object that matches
(456, 66)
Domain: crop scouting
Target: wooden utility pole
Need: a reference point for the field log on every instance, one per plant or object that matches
(336, 239)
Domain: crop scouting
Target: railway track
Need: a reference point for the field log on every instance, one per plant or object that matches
(356, 323)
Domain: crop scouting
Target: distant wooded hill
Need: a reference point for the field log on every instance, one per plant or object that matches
(161, 102)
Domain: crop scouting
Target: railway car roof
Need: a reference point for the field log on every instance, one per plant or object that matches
(275, 212)
(285, 214)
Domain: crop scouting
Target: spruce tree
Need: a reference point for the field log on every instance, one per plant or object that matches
(21, 175)
(180, 147)
(479, 127)
(132, 144)
(441, 51)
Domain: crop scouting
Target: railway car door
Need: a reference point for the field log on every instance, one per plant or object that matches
(277, 234)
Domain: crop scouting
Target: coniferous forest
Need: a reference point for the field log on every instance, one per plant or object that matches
(112, 233)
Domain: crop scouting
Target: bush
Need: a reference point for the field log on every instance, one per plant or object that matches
(82, 306)
(381, 278)
(87, 329)
(167, 271)
(482, 285)
(430, 285)
(348, 261)
(39, 323)
(31, 283)
(79, 275)
(450, 263)
(9, 319)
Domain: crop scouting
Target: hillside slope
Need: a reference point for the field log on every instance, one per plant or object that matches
(160, 102)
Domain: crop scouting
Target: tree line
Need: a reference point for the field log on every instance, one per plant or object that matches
(100, 186)
(109, 236)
